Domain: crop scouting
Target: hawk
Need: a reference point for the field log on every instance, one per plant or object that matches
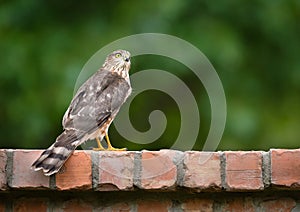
(92, 110)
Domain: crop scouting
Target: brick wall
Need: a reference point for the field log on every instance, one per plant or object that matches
(165, 180)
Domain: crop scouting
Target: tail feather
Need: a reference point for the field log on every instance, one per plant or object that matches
(53, 158)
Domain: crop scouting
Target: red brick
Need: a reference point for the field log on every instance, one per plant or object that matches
(23, 175)
(123, 207)
(285, 167)
(3, 159)
(77, 172)
(203, 205)
(202, 170)
(239, 204)
(2, 206)
(153, 206)
(76, 205)
(280, 204)
(158, 170)
(32, 204)
(116, 170)
(244, 170)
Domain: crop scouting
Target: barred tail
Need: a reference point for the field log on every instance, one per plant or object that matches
(53, 158)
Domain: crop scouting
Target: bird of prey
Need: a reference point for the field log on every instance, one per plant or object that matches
(92, 110)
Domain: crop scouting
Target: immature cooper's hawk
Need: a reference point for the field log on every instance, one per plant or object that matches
(91, 112)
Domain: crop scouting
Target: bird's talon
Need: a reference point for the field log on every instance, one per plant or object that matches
(99, 149)
(110, 147)
(116, 149)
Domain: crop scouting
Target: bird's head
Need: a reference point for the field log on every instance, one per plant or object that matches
(117, 61)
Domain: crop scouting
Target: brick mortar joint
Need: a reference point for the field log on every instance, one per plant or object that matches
(223, 170)
(9, 167)
(137, 166)
(178, 161)
(266, 169)
(95, 170)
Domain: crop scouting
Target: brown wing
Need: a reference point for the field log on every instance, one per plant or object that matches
(98, 99)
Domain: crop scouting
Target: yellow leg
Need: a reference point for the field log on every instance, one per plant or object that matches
(100, 147)
(110, 147)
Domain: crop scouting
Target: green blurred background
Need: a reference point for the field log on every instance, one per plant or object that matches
(253, 45)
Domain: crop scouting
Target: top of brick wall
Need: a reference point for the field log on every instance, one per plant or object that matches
(156, 170)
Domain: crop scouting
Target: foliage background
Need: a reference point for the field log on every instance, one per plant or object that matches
(254, 46)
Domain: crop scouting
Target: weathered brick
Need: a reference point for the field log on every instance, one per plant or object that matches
(280, 204)
(115, 170)
(203, 205)
(158, 170)
(2, 206)
(202, 170)
(238, 204)
(77, 172)
(153, 206)
(30, 204)
(123, 207)
(22, 174)
(244, 170)
(3, 160)
(76, 205)
(285, 167)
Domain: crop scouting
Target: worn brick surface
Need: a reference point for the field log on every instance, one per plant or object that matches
(285, 167)
(123, 206)
(30, 204)
(76, 205)
(154, 206)
(3, 160)
(158, 170)
(244, 170)
(238, 204)
(2, 206)
(202, 170)
(203, 205)
(22, 175)
(116, 170)
(77, 172)
(280, 204)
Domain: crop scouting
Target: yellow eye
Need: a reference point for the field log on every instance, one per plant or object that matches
(118, 55)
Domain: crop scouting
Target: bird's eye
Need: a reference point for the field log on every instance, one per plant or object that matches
(118, 55)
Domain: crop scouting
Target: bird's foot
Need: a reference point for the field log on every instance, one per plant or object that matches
(109, 149)
(109, 146)
(99, 149)
(115, 149)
